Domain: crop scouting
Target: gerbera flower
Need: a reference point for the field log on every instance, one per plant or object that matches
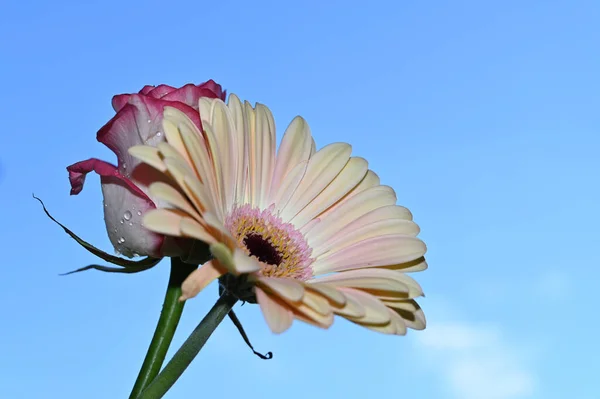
(307, 234)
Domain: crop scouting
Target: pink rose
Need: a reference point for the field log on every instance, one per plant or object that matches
(126, 196)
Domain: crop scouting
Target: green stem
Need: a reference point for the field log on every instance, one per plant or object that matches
(190, 348)
(165, 329)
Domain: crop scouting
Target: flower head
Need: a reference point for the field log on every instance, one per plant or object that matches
(307, 234)
(126, 197)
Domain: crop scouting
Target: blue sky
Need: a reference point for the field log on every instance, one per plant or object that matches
(482, 115)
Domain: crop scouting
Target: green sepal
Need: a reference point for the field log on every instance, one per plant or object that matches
(127, 266)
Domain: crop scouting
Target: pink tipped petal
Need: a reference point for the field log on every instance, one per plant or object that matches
(199, 279)
(124, 206)
(288, 289)
(138, 122)
(278, 316)
(373, 252)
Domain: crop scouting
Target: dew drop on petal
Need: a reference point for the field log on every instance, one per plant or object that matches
(158, 134)
(121, 221)
(131, 223)
(139, 213)
(124, 165)
(127, 215)
(149, 120)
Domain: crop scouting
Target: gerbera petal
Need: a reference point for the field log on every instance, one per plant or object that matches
(373, 279)
(331, 293)
(352, 209)
(357, 232)
(317, 302)
(288, 289)
(295, 148)
(375, 311)
(199, 279)
(352, 173)
(191, 228)
(278, 316)
(416, 265)
(322, 168)
(167, 193)
(163, 221)
(149, 155)
(237, 262)
(377, 251)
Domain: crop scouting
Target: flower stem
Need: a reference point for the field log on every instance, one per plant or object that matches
(165, 329)
(190, 348)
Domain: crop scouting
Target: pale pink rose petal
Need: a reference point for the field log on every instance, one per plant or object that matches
(125, 204)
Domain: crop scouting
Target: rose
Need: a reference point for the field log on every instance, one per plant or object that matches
(126, 195)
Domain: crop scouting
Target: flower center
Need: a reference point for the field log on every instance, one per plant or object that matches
(281, 249)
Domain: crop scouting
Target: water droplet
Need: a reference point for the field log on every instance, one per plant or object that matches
(135, 255)
(124, 165)
(158, 134)
(127, 215)
(131, 223)
(121, 240)
(122, 221)
(139, 213)
(149, 120)
(115, 230)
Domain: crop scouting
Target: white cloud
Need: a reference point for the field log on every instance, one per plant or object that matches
(475, 361)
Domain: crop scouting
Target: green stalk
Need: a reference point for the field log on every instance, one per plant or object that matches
(190, 348)
(165, 329)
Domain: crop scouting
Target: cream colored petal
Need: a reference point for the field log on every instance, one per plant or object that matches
(199, 279)
(278, 317)
(352, 308)
(416, 265)
(331, 293)
(289, 185)
(373, 252)
(163, 221)
(311, 316)
(289, 289)
(317, 302)
(375, 311)
(322, 168)
(206, 169)
(169, 194)
(244, 263)
(191, 228)
(352, 173)
(389, 328)
(370, 180)
(260, 130)
(172, 118)
(237, 113)
(225, 133)
(149, 155)
(414, 319)
(373, 279)
(352, 209)
(356, 232)
(236, 261)
(295, 148)
(198, 195)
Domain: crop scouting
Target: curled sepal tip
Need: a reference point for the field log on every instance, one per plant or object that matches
(127, 266)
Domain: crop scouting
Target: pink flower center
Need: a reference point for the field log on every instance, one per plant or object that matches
(278, 246)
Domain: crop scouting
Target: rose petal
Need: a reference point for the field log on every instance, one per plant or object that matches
(124, 207)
